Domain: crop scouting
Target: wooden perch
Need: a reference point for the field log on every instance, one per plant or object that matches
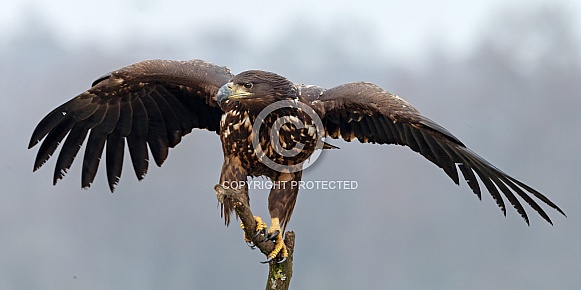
(279, 274)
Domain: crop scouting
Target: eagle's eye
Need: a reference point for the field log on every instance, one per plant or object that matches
(248, 85)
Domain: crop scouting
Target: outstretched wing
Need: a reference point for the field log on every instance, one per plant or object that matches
(365, 112)
(151, 103)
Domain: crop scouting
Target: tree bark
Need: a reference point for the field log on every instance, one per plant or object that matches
(279, 274)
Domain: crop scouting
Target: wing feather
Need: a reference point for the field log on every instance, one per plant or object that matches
(157, 130)
(151, 104)
(96, 143)
(411, 141)
(377, 130)
(366, 129)
(137, 139)
(181, 112)
(389, 131)
(173, 130)
(92, 157)
(74, 141)
(373, 115)
(442, 158)
(116, 144)
(50, 121)
(59, 131)
(71, 147)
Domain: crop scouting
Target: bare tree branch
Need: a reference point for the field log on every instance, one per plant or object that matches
(279, 274)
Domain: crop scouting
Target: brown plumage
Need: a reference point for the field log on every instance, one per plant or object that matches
(154, 103)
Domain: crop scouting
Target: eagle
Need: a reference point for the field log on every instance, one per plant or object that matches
(154, 103)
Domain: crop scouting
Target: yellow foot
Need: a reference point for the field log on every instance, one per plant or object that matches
(260, 227)
(275, 235)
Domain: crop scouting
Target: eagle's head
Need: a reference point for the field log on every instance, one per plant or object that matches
(257, 89)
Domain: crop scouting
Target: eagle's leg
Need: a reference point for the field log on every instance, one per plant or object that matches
(233, 179)
(260, 229)
(281, 202)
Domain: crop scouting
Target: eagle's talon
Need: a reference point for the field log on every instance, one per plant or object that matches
(272, 236)
(262, 238)
(260, 229)
(268, 260)
(258, 232)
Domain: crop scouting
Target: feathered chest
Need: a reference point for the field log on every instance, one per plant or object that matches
(284, 136)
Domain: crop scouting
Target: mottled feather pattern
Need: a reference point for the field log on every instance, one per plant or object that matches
(237, 133)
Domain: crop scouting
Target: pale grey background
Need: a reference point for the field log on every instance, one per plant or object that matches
(503, 76)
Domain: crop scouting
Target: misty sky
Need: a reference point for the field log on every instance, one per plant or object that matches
(500, 75)
(403, 28)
